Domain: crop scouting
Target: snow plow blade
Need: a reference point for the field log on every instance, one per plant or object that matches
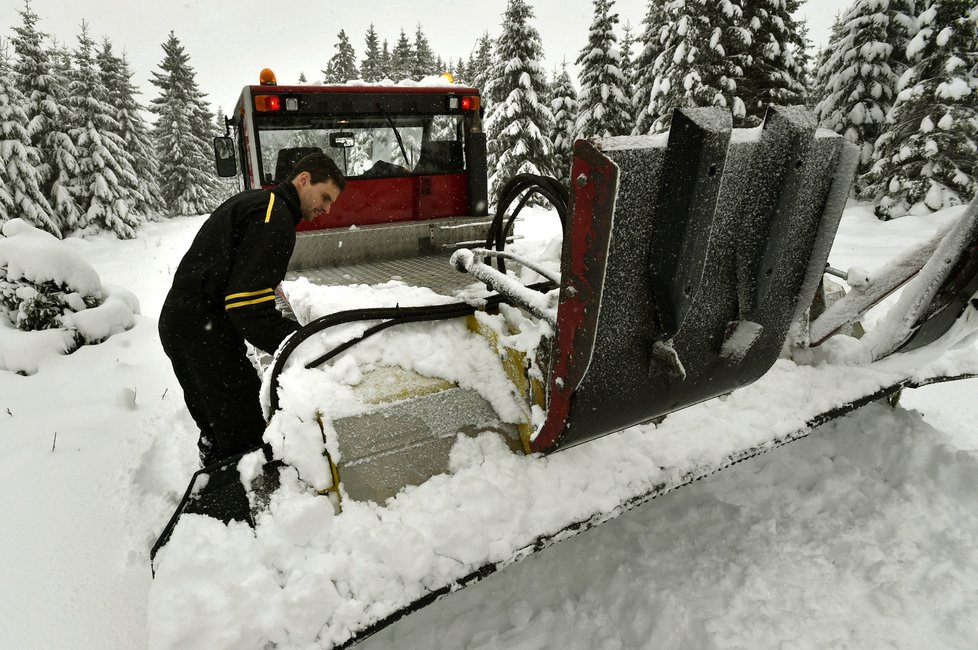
(683, 286)
(687, 272)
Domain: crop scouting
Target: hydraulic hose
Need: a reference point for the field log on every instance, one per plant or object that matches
(527, 185)
(389, 316)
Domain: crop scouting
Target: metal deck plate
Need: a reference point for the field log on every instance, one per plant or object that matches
(431, 271)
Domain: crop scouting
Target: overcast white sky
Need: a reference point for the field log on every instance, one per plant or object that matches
(229, 43)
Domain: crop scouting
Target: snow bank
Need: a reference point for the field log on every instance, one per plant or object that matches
(30, 260)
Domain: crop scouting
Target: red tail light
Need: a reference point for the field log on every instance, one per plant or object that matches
(267, 103)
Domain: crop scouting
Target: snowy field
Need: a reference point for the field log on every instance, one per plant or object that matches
(863, 535)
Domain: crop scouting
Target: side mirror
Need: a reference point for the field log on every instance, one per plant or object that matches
(227, 166)
(341, 140)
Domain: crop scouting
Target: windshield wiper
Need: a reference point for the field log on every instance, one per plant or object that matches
(400, 143)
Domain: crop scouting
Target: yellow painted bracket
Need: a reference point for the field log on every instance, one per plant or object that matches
(333, 469)
(514, 364)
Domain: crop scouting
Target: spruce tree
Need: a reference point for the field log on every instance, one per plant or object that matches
(564, 107)
(133, 130)
(926, 160)
(424, 58)
(604, 107)
(518, 128)
(105, 180)
(44, 87)
(866, 57)
(386, 63)
(643, 77)
(769, 55)
(480, 66)
(627, 61)
(460, 73)
(696, 66)
(21, 195)
(805, 62)
(402, 59)
(342, 67)
(302, 78)
(822, 74)
(187, 183)
(370, 66)
(205, 129)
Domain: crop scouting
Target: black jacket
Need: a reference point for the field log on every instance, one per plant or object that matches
(236, 261)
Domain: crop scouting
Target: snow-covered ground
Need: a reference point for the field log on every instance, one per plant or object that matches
(862, 535)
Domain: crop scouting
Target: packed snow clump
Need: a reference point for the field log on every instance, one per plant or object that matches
(51, 300)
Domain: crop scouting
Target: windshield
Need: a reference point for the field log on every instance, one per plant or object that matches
(364, 146)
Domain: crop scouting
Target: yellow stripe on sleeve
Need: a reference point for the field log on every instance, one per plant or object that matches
(245, 303)
(246, 294)
(271, 202)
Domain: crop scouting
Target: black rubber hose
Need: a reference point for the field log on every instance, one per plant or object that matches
(521, 182)
(555, 192)
(391, 316)
(431, 312)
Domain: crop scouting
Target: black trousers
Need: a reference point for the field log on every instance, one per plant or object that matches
(220, 386)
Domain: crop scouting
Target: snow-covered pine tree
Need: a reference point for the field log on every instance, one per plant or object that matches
(805, 60)
(302, 78)
(696, 66)
(771, 70)
(187, 184)
(424, 58)
(402, 59)
(205, 128)
(563, 103)
(926, 160)
(627, 61)
(63, 190)
(133, 129)
(480, 64)
(21, 195)
(821, 73)
(342, 67)
(864, 62)
(460, 73)
(643, 77)
(105, 180)
(604, 107)
(370, 65)
(44, 87)
(386, 62)
(518, 128)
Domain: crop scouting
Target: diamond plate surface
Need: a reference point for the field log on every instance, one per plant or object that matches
(432, 271)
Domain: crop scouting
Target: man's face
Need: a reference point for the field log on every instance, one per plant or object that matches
(315, 199)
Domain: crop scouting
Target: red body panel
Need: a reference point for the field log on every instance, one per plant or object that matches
(389, 200)
(584, 257)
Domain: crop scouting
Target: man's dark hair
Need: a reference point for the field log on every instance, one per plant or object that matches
(321, 168)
